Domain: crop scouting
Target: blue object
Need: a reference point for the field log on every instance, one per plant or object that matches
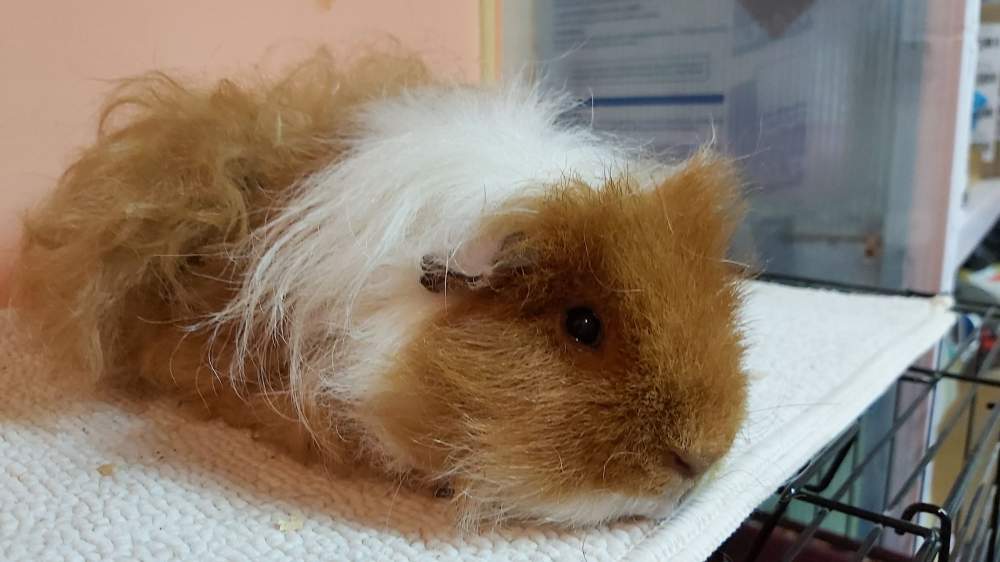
(978, 103)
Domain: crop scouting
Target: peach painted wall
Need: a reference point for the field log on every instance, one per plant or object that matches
(56, 58)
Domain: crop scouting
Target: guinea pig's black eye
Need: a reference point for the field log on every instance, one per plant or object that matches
(583, 325)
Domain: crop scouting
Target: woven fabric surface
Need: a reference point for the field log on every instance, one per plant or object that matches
(89, 476)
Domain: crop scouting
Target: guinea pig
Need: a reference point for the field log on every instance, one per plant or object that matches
(454, 285)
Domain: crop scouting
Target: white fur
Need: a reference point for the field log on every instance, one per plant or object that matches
(596, 508)
(420, 176)
(336, 272)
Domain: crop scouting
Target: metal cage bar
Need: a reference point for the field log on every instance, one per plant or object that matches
(962, 527)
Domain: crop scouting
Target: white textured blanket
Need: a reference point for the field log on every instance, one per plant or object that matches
(84, 478)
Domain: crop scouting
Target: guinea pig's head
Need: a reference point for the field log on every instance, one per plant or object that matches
(594, 370)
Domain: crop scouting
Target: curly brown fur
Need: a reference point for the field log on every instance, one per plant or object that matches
(137, 241)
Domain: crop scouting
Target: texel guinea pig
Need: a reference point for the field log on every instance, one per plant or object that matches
(452, 285)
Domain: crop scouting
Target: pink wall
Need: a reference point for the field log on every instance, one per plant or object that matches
(55, 58)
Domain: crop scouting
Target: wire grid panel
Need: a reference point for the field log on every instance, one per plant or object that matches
(910, 522)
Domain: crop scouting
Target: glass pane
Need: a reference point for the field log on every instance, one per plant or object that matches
(818, 98)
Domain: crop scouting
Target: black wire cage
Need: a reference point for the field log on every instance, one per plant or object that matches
(914, 478)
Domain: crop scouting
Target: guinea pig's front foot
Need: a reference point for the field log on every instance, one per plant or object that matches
(444, 490)
(422, 484)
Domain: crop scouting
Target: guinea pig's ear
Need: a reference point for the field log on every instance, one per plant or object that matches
(703, 200)
(437, 276)
(504, 260)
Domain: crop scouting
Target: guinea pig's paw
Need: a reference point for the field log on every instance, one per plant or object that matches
(416, 482)
(439, 489)
(444, 490)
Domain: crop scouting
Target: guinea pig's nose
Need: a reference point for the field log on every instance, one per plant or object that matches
(685, 464)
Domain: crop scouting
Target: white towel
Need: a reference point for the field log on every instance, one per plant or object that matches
(84, 478)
